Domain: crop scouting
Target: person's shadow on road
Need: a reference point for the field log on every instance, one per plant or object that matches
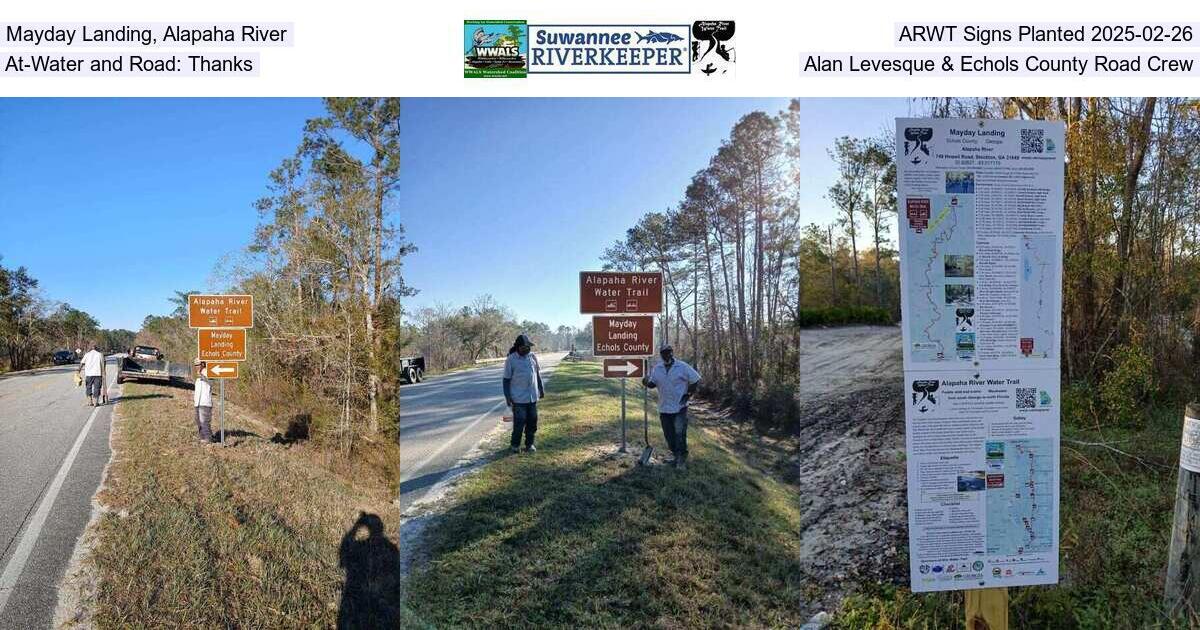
(371, 596)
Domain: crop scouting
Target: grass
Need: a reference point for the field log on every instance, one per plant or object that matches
(574, 537)
(258, 534)
(1115, 533)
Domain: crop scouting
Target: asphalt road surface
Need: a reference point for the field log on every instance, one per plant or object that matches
(52, 454)
(444, 417)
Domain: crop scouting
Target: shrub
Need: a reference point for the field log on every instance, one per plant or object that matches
(1128, 385)
(841, 315)
(776, 407)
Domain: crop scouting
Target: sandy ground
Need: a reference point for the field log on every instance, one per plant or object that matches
(850, 455)
(847, 359)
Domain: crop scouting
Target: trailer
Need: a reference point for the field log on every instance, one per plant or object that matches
(412, 369)
(147, 363)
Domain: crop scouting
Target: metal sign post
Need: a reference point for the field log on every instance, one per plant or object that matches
(221, 322)
(611, 297)
(222, 412)
(623, 450)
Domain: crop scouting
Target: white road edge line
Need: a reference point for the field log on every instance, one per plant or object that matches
(458, 436)
(16, 564)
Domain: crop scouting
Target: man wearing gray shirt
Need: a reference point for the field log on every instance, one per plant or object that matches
(676, 381)
(522, 390)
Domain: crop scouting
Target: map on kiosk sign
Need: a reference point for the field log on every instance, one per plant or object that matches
(220, 311)
(620, 292)
(623, 336)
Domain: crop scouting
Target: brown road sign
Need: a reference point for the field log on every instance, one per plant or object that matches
(221, 344)
(620, 292)
(221, 369)
(221, 311)
(624, 368)
(622, 335)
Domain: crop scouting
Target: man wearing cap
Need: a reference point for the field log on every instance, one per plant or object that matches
(202, 401)
(522, 390)
(676, 381)
(91, 366)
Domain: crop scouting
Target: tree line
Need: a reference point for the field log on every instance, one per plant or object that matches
(728, 252)
(450, 337)
(1131, 287)
(33, 327)
(852, 262)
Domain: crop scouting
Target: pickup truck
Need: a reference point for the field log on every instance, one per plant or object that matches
(412, 369)
(146, 363)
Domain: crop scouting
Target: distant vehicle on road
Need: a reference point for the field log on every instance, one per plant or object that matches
(412, 369)
(65, 357)
(147, 363)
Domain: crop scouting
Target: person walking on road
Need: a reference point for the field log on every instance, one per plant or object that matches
(676, 381)
(202, 401)
(522, 390)
(92, 369)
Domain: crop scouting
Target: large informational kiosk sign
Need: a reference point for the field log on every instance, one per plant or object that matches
(980, 222)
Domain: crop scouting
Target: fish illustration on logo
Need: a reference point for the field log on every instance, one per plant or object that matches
(653, 37)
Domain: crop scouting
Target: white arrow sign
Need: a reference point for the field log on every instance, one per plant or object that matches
(629, 368)
(220, 369)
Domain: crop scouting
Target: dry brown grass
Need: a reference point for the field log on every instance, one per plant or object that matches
(254, 535)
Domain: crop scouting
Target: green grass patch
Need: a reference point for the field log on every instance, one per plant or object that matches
(571, 537)
(255, 535)
(1115, 534)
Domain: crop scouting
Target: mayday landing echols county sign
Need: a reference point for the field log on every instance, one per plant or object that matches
(624, 368)
(623, 335)
(214, 344)
(221, 311)
(620, 292)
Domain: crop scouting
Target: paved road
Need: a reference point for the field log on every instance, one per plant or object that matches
(51, 460)
(444, 417)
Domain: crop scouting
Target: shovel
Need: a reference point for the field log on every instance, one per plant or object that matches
(648, 451)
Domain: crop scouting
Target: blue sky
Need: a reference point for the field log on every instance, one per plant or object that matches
(115, 204)
(514, 197)
(511, 197)
(824, 120)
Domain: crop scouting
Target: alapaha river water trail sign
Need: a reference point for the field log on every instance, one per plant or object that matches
(980, 218)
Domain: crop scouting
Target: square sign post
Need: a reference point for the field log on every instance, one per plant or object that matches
(981, 218)
(221, 322)
(624, 339)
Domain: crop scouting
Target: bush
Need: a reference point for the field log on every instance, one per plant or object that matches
(1128, 386)
(841, 315)
(776, 407)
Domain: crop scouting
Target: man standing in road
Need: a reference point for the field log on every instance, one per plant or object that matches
(522, 390)
(92, 369)
(202, 401)
(676, 382)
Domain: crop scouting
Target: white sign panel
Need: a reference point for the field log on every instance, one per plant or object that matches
(980, 216)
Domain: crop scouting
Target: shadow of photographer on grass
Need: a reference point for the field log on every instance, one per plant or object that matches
(370, 597)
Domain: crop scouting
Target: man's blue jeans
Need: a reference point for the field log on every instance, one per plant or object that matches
(674, 426)
(524, 421)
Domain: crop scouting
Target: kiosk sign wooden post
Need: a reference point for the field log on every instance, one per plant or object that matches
(221, 322)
